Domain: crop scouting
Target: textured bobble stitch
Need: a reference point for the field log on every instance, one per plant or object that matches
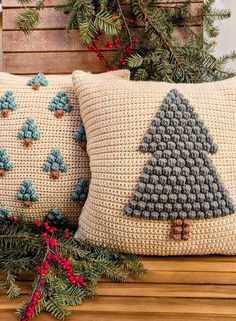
(179, 144)
(5, 162)
(7, 104)
(27, 193)
(60, 104)
(55, 164)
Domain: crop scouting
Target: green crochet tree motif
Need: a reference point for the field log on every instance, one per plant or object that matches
(7, 103)
(27, 193)
(80, 137)
(60, 104)
(80, 192)
(56, 218)
(5, 214)
(55, 164)
(29, 132)
(37, 81)
(5, 163)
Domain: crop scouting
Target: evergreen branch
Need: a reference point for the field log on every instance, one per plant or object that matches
(28, 19)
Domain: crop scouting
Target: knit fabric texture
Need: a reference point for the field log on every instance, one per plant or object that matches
(159, 152)
(41, 164)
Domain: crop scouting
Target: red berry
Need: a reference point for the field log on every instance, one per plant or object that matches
(42, 281)
(44, 234)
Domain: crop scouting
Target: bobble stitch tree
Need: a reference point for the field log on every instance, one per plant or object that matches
(60, 105)
(37, 81)
(80, 137)
(7, 104)
(5, 214)
(81, 191)
(27, 193)
(29, 132)
(5, 163)
(56, 218)
(55, 164)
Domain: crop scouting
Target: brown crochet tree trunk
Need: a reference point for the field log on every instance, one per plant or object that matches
(27, 203)
(5, 113)
(83, 145)
(28, 142)
(55, 174)
(36, 86)
(2, 172)
(59, 113)
(180, 230)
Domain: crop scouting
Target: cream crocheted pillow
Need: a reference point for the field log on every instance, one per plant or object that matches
(163, 164)
(43, 161)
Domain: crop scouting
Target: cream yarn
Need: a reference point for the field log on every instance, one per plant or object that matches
(116, 115)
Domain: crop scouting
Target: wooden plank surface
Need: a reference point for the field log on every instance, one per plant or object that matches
(50, 49)
(52, 62)
(182, 298)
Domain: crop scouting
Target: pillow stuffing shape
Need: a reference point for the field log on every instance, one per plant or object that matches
(44, 166)
(163, 166)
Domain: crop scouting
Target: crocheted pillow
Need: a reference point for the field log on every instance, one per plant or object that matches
(163, 164)
(44, 166)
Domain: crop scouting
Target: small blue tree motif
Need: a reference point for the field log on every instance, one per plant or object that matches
(37, 81)
(55, 164)
(7, 103)
(80, 137)
(80, 192)
(5, 215)
(56, 218)
(5, 163)
(29, 132)
(60, 104)
(27, 193)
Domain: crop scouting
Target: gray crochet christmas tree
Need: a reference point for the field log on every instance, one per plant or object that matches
(179, 181)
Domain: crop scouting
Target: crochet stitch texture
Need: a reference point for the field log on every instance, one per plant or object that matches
(117, 115)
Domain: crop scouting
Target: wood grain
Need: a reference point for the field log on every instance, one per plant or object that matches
(195, 289)
(52, 62)
(52, 19)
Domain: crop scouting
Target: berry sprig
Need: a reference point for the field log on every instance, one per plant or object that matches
(124, 50)
(52, 261)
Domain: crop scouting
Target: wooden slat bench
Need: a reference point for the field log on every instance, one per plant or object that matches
(175, 288)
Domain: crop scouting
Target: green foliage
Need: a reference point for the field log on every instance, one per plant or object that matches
(27, 20)
(158, 55)
(22, 248)
(29, 130)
